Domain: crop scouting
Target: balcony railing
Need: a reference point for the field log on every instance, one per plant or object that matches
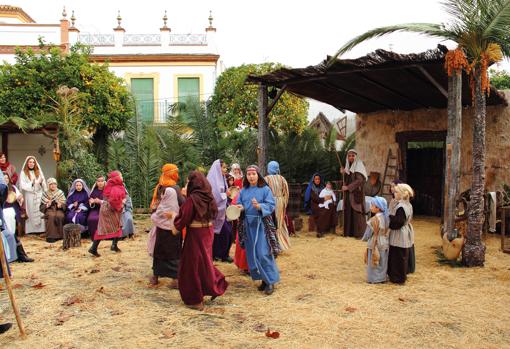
(153, 111)
(158, 111)
(142, 39)
(188, 39)
(97, 39)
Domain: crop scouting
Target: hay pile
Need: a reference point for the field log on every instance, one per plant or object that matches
(322, 301)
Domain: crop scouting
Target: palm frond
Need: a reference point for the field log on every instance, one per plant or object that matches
(430, 29)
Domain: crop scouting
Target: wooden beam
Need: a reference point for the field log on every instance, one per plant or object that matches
(453, 140)
(431, 79)
(356, 95)
(275, 100)
(263, 131)
(392, 91)
(327, 74)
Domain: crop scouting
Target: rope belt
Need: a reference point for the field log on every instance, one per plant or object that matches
(197, 224)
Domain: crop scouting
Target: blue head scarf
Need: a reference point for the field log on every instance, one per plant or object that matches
(382, 204)
(273, 168)
(316, 188)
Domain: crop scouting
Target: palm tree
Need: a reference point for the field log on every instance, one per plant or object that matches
(481, 30)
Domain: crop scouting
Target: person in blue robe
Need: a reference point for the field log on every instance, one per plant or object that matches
(257, 202)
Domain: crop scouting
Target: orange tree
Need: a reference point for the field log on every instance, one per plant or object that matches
(235, 103)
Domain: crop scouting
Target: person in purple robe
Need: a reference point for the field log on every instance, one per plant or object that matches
(78, 204)
(95, 201)
(222, 228)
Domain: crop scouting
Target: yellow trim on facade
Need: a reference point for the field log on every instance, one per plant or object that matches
(162, 64)
(14, 15)
(23, 18)
(200, 83)
(155, 81)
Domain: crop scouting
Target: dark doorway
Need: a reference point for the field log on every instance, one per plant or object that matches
(423, 168)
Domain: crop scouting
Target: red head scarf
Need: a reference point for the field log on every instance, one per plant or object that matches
(114, 190)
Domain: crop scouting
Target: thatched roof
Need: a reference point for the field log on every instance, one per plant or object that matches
(381, 80)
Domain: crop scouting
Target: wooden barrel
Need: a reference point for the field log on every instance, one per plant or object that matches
(72, 236)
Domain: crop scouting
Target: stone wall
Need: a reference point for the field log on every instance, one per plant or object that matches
(376, 134)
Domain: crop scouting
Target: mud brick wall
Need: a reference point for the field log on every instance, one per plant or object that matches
(376, 134)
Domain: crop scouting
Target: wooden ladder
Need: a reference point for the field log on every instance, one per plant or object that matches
(390, 173)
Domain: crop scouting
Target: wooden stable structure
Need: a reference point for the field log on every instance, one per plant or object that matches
(404, 101)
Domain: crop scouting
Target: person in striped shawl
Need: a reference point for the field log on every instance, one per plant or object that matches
(53, 206)
(280, 189)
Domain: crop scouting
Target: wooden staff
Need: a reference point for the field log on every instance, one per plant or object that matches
(9, 289)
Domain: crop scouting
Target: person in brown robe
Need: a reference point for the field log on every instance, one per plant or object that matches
(53, 205)
(324, 219)
(373, 186)
(198, 277)
(355, 176)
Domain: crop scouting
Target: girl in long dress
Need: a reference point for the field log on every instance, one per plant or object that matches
(78, 204)
(198, 277)
(33, 185)
(109, 225)
(165, 241)
(377, 237)
(95, 201)
(12, 216)
(128, 227)
(257, 202)
(53, 205)
(280, 190)
(222, 228)
(401, 234)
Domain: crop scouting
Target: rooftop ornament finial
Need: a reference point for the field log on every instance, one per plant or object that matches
(210, 19)
(73, 19)
(210, 28)
(165, 18)
(64, 13)
(119, 20)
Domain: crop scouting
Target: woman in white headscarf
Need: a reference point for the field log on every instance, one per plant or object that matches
(237, 173)
(353, 195)
(33, 185)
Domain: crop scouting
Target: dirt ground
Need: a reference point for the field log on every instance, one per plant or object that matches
(71, 300)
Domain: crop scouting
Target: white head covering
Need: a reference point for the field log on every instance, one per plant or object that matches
(37, 163)
(23, 176)
(73, 187)
(232, 172)
(356, 166)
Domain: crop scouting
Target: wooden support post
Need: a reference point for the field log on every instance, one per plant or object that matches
(7, 279)
(453, 139)
(263, 132)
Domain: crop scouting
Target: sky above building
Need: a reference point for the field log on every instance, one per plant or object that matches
(295, 33)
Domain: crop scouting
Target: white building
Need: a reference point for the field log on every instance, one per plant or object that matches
(160, 66)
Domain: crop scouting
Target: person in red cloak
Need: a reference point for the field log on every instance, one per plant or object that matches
(198, 277)
(109, 225)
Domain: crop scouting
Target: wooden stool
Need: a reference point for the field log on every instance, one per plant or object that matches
(72, 236)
